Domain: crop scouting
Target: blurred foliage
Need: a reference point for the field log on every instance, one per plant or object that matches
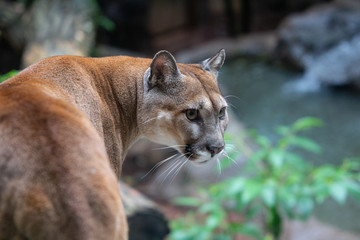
(8, 75)
(100, 19)
(277, 183)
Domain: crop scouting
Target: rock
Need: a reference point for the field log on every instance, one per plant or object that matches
(252, 45)
(312, 229)
(304, 37)
(336, 67)
(58, 28)
(324, 42)
(145, 218)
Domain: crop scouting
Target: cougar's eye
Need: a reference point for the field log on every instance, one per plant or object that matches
(222, 113)
(192, 114)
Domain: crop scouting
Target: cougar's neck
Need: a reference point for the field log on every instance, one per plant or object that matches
(123, 94)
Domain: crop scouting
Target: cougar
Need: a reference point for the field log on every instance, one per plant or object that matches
(67, 122)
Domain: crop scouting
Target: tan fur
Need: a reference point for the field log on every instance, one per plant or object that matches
(66, 124)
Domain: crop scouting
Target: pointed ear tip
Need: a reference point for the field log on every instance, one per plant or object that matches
(164, 53)
(222, 51)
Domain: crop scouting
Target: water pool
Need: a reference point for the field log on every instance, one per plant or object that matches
(264, 102)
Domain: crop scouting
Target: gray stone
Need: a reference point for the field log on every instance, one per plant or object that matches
(313, 229)
(338, 66)
(325, 43)
(303, 37)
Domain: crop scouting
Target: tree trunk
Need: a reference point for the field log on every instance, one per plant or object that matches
(59, 27)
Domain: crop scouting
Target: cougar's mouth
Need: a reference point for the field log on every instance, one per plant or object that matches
(196, 155)
(189, 152)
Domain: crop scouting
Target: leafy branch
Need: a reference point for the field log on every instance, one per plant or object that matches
(276, 181)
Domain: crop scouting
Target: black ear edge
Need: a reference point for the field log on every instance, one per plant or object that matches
(163, 68)
(215, 63)
(165, 53)
(170, 61)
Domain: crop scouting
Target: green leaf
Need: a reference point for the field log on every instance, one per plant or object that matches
(321, 197)
(307, 123)
(188, 201)
(251, 191)
(213, 221)
(324, 174)
(287, 197)
(222, 236)
(355, 194)
(297, 160)
(283, 130)
(253, 211)
(258, 155)
(208, 207)
(226, 162)
(305, 207)
(284, 142)
(276, 158)
(251, 230)
(263, 141)
(321, 191)
(8, 75)
(259, 139)
(228, 137)
(306, 144)
(235, 186)
(179, 235)
(351, 164)
(235, 226)
(354, 189)
(269, 196)
(105, 23)
(339, 192)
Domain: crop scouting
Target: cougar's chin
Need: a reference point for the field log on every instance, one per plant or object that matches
(198, 157)
(201, 157)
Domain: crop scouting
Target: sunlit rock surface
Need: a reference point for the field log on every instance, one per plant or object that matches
(304, 37)
(324, 42)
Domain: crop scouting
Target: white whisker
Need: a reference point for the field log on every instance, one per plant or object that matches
(178, 170)
(232, 105)
(177, 160)
(176, 165)
(158, 165)
(227, 156)
(219, 165)
(148, 120)
(169, 147)
(229, 146)
(233, 96)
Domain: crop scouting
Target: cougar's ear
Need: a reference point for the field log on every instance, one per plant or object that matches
(214, 64)
(163, 68)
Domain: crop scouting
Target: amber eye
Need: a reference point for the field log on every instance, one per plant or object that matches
(222, 113)
(192, 114)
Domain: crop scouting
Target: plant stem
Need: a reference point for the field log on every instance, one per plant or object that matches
(274, 223)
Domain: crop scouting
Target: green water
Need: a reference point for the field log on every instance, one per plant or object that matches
(263, 103)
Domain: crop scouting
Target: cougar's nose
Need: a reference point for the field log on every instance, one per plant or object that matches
(214, 149)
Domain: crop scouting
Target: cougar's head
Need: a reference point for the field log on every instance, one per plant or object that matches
(183, 107)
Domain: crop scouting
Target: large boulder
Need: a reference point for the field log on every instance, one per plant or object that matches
(324, 42)
(336, 67)
(306, 36)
